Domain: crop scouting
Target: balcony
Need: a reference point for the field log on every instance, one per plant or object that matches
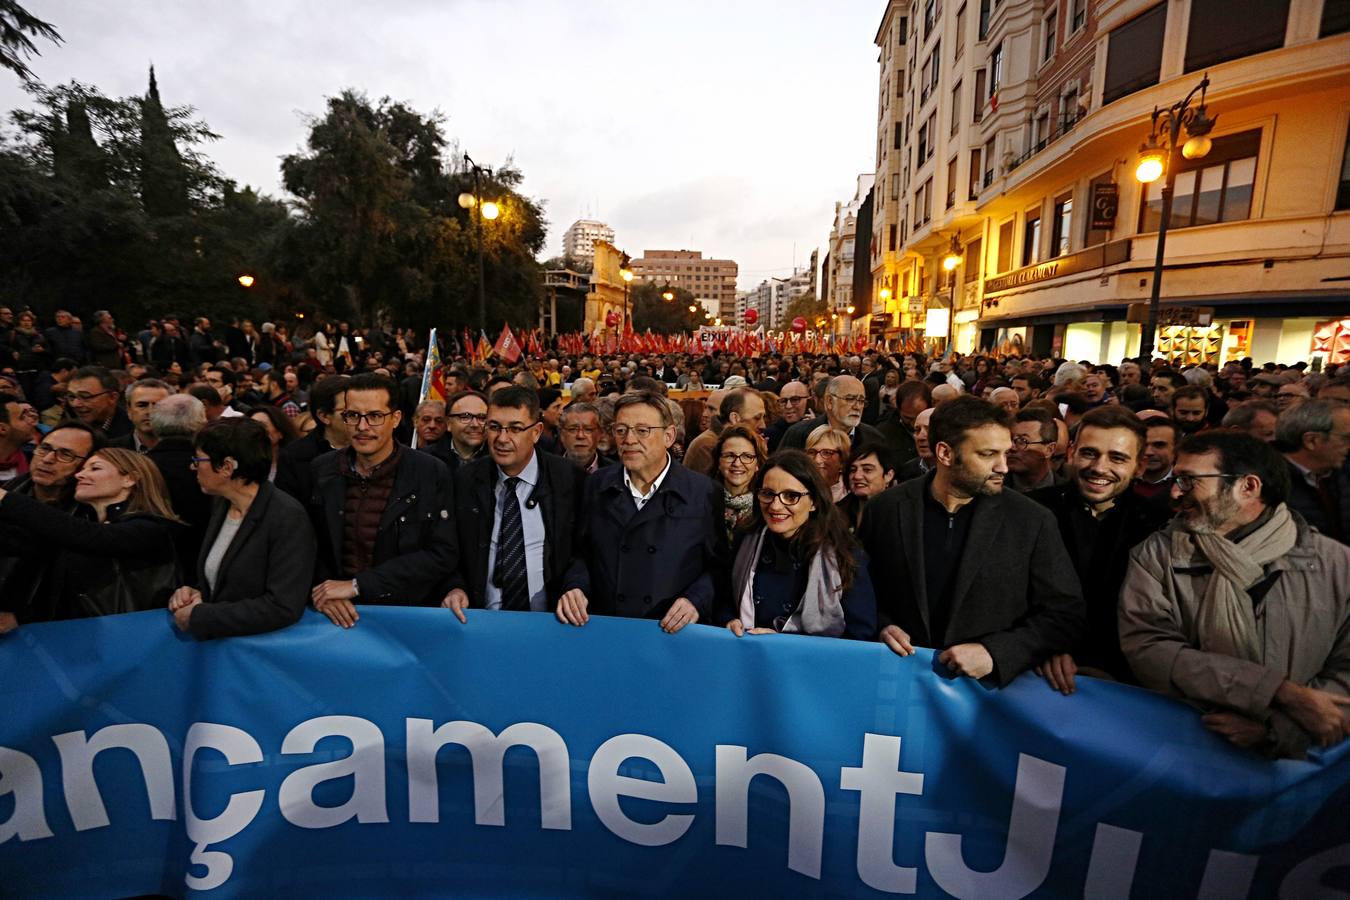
(1066, 125)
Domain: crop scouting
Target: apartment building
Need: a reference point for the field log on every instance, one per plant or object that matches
(706, 279)
(843, 235)
(580, 237)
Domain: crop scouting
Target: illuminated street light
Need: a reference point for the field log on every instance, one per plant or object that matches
(953, 257)
(692, 307)
(246, 281)
(1158, 157)
(885, 294)
(850, 310)
(667, 294)
(626, 274)
(490, 210)
(467, 200)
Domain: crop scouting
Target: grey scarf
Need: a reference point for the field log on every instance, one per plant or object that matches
(819, 612)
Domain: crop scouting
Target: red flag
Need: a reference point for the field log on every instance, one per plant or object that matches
(506, 347)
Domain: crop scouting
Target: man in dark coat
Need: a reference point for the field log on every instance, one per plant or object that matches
(382, 513)
(64, 339)
(1101, 520)
(503, 566)
(325, 405)
(966, 567)
(652, 533)
(1314, 437)
(844, 402)
(176, 420)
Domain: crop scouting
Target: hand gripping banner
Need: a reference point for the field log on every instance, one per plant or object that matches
(514, 756)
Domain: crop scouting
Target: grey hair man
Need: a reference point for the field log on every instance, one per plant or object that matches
(1314, 437)
(844, 402)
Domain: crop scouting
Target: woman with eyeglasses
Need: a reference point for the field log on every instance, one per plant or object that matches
(739, 453)
(257, 558)
(828, 447)
(797, 570)
(115, 552)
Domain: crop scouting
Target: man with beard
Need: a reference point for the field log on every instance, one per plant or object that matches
(327, 399)
(843, 408)
(580, 430)
(1154, 480)
(1190, 408)
(1239, 607)
(964, 566)
(1100, 520)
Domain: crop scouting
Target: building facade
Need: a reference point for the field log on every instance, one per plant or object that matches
(580, 237)
(1023, 124)
(706, 279)
(843, 250)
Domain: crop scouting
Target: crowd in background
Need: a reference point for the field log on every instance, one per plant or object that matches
(1183, 528)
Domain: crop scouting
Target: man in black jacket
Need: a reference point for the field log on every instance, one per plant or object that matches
(965, 567)
(514, 558)
(325, 405)
(176, 420)
(382, 513)
(652, 536)
(1101, 520)
(1314, 437)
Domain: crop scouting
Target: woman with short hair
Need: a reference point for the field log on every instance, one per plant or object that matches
(257, 559)
(828, 447)
(870, 470)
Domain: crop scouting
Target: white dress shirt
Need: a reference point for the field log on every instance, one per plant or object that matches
(532, 524)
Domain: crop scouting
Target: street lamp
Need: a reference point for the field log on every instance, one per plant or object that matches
(246, 281)
(667, 294)
(487, 209)
(1158, 157)
(627, 275)
(953, 257)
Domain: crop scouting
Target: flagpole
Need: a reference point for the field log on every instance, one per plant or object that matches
(432, 359)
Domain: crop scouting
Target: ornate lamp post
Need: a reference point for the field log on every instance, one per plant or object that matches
(1158, 157)
(487, 209)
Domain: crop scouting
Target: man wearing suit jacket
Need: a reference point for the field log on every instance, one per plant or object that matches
(966, 567)
(514, 558)
(652, 532)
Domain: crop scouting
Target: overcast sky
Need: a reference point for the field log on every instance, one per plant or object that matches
(726, 127)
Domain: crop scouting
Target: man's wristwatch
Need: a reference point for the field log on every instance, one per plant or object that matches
(356, 589)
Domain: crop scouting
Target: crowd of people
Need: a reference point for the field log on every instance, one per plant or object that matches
(1182, 528)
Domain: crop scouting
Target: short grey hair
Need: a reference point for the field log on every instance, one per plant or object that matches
(181, 415)
(1310, 416)
(582, 408)
(147, 383)
(426, 404)
(1069, 371)
(582, 385)
(1241, 417)
(647, 399)
(1198, 376)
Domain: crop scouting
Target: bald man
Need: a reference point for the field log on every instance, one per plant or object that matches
(845, 399)
(1006, 398)
(944, 393)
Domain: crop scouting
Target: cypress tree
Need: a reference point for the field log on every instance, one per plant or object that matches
(164, 189)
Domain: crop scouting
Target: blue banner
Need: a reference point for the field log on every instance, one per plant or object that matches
(514, 756)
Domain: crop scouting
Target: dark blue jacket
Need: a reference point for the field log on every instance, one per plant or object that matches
(636, 564)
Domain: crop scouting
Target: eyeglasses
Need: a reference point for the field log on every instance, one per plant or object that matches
(787, 498)
(744, 459)
(1022, 443)
(353, 419)
(641, 431)
(823, 451)
(791, 399)
(578, 429)
(466, 418)
(195, 461)
(61, 453)
(85, 396)
(514, 429)
(852, 399)
(1187, 482)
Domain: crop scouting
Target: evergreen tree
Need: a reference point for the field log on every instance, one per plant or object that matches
(164, 190)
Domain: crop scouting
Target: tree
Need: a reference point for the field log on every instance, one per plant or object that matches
(808, 307)
(16, 24)
(661, 316)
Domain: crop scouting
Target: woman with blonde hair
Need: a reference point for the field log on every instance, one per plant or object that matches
(115, 552)
(828, 448)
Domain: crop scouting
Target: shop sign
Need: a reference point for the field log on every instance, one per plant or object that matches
(1105, 203)
(1082, 261)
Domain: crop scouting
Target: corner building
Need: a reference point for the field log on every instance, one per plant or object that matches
(1011, 117)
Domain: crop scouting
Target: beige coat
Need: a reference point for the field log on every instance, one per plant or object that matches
(1303, 625)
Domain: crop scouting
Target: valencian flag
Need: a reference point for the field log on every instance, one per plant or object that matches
(433, 377)
(507, 348)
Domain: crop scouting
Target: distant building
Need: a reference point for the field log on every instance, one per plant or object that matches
(843, 235)
(706, 279)
(579, 239)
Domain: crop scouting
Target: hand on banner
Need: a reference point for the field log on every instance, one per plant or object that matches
(972, 660)
(572, 608)
(1239, 731)
(1059, 671)
(184, 596)
(1320, 713)
(457, 601)
(182, 614)
(340, 612)
(335, 589)
(894, 636)
(8, 622)
(738, 628)
(681, 613)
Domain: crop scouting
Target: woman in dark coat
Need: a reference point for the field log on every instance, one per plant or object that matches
(797, 569)
(257, 559)
(116, 551)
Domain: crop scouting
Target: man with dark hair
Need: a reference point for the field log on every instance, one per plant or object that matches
(965, 567)
(382, 513)
(1190, 408)
(327, 400)
(18, 424)
(652, 533)
(1100, 520)
(551, 404)
(897, 426)
(1034, 439)
(466, 416)
(1162, 385)
(92, 397)
(224, 379)
(1239, 607)
(274, 390)
(1314, 437)
(1154, 481)
(517, 515)
(141, 397)
(1255, 417)
(25, 562)
(744, 406)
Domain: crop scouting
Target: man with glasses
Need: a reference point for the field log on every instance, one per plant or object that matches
(18, 423)
(795, 403)
(1314, 437)
(965, 567)
(1031, 461)
(25, 562)
(517, 514)
(1240, 607)
(464, 441)
(141, 398)
(845, 399)
(581, 432)
(382, 512)
(91, 397)
(652, 533)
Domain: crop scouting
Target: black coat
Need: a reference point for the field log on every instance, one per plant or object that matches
(415, 548)
(293, 474)
(264, 580)
(637, 563)
(1100, 550)
(26, 565)
(173, 457)
(795, 437)
(1333, 520)
(558, 495)
(1014, 590)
